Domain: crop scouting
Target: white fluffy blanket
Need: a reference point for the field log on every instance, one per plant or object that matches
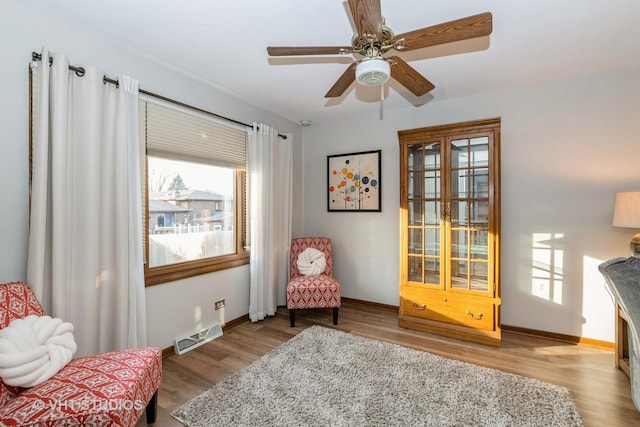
(311, 262)
(34, 349)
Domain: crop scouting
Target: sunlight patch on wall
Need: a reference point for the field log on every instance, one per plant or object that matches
(597, 302)
(590, 273)
(197, 316)
(546, 268)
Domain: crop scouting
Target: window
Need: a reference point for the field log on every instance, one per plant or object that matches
(196, 193)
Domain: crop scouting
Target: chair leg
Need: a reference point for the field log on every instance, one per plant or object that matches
(335, 315)
(152, 408)
(292, 317)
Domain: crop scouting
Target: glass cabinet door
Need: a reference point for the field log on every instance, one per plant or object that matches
(468, 214)
(424, 208)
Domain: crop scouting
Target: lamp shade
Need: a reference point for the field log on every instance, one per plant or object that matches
(626, 212)
(373, 72)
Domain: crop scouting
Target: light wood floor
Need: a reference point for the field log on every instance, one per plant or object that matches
(600, 391)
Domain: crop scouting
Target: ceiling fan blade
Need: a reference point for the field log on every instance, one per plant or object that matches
(345, 80)
(308, 50)
(367, 17)
(447, 32)
(408, 77)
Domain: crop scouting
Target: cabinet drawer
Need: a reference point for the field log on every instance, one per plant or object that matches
(454, 309)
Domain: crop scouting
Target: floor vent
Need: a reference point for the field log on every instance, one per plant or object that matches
(188, 343)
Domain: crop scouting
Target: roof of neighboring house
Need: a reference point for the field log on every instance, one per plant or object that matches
(160, 206)
(187, 195)
(217, 217)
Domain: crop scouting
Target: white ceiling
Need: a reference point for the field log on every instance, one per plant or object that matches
(223, 43)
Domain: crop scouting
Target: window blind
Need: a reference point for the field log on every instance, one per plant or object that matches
(191, 136)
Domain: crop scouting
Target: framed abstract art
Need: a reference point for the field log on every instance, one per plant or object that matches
(353, 182)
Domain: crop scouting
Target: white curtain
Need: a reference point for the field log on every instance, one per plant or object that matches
(270, 170)
(85, 261)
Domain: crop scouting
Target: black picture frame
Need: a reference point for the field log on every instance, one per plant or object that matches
(354, 182)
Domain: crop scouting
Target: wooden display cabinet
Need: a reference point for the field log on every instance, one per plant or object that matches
(450, 229)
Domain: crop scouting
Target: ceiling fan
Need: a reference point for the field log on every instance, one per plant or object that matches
(373, 39)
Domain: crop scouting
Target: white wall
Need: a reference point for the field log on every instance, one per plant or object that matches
(174, 308)
(567, 147)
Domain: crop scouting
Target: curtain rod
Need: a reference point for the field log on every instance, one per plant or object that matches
(80, 72)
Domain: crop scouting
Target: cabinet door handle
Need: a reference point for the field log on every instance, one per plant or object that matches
(419, 307)
(478, 317)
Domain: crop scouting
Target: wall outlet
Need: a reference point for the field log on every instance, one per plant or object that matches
(219, 304)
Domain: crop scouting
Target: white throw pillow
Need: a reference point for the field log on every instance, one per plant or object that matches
(311, 262)
(34, 349)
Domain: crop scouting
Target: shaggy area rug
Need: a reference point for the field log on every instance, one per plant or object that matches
(325, 377)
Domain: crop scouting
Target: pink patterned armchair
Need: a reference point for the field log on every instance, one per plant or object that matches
(109, 389)
(315, 290)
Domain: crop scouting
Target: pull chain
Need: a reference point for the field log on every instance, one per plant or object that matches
(381, 101)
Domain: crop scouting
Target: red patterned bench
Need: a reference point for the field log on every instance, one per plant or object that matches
(109, 389)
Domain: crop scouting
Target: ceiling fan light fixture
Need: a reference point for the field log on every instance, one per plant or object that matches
(373, 72)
